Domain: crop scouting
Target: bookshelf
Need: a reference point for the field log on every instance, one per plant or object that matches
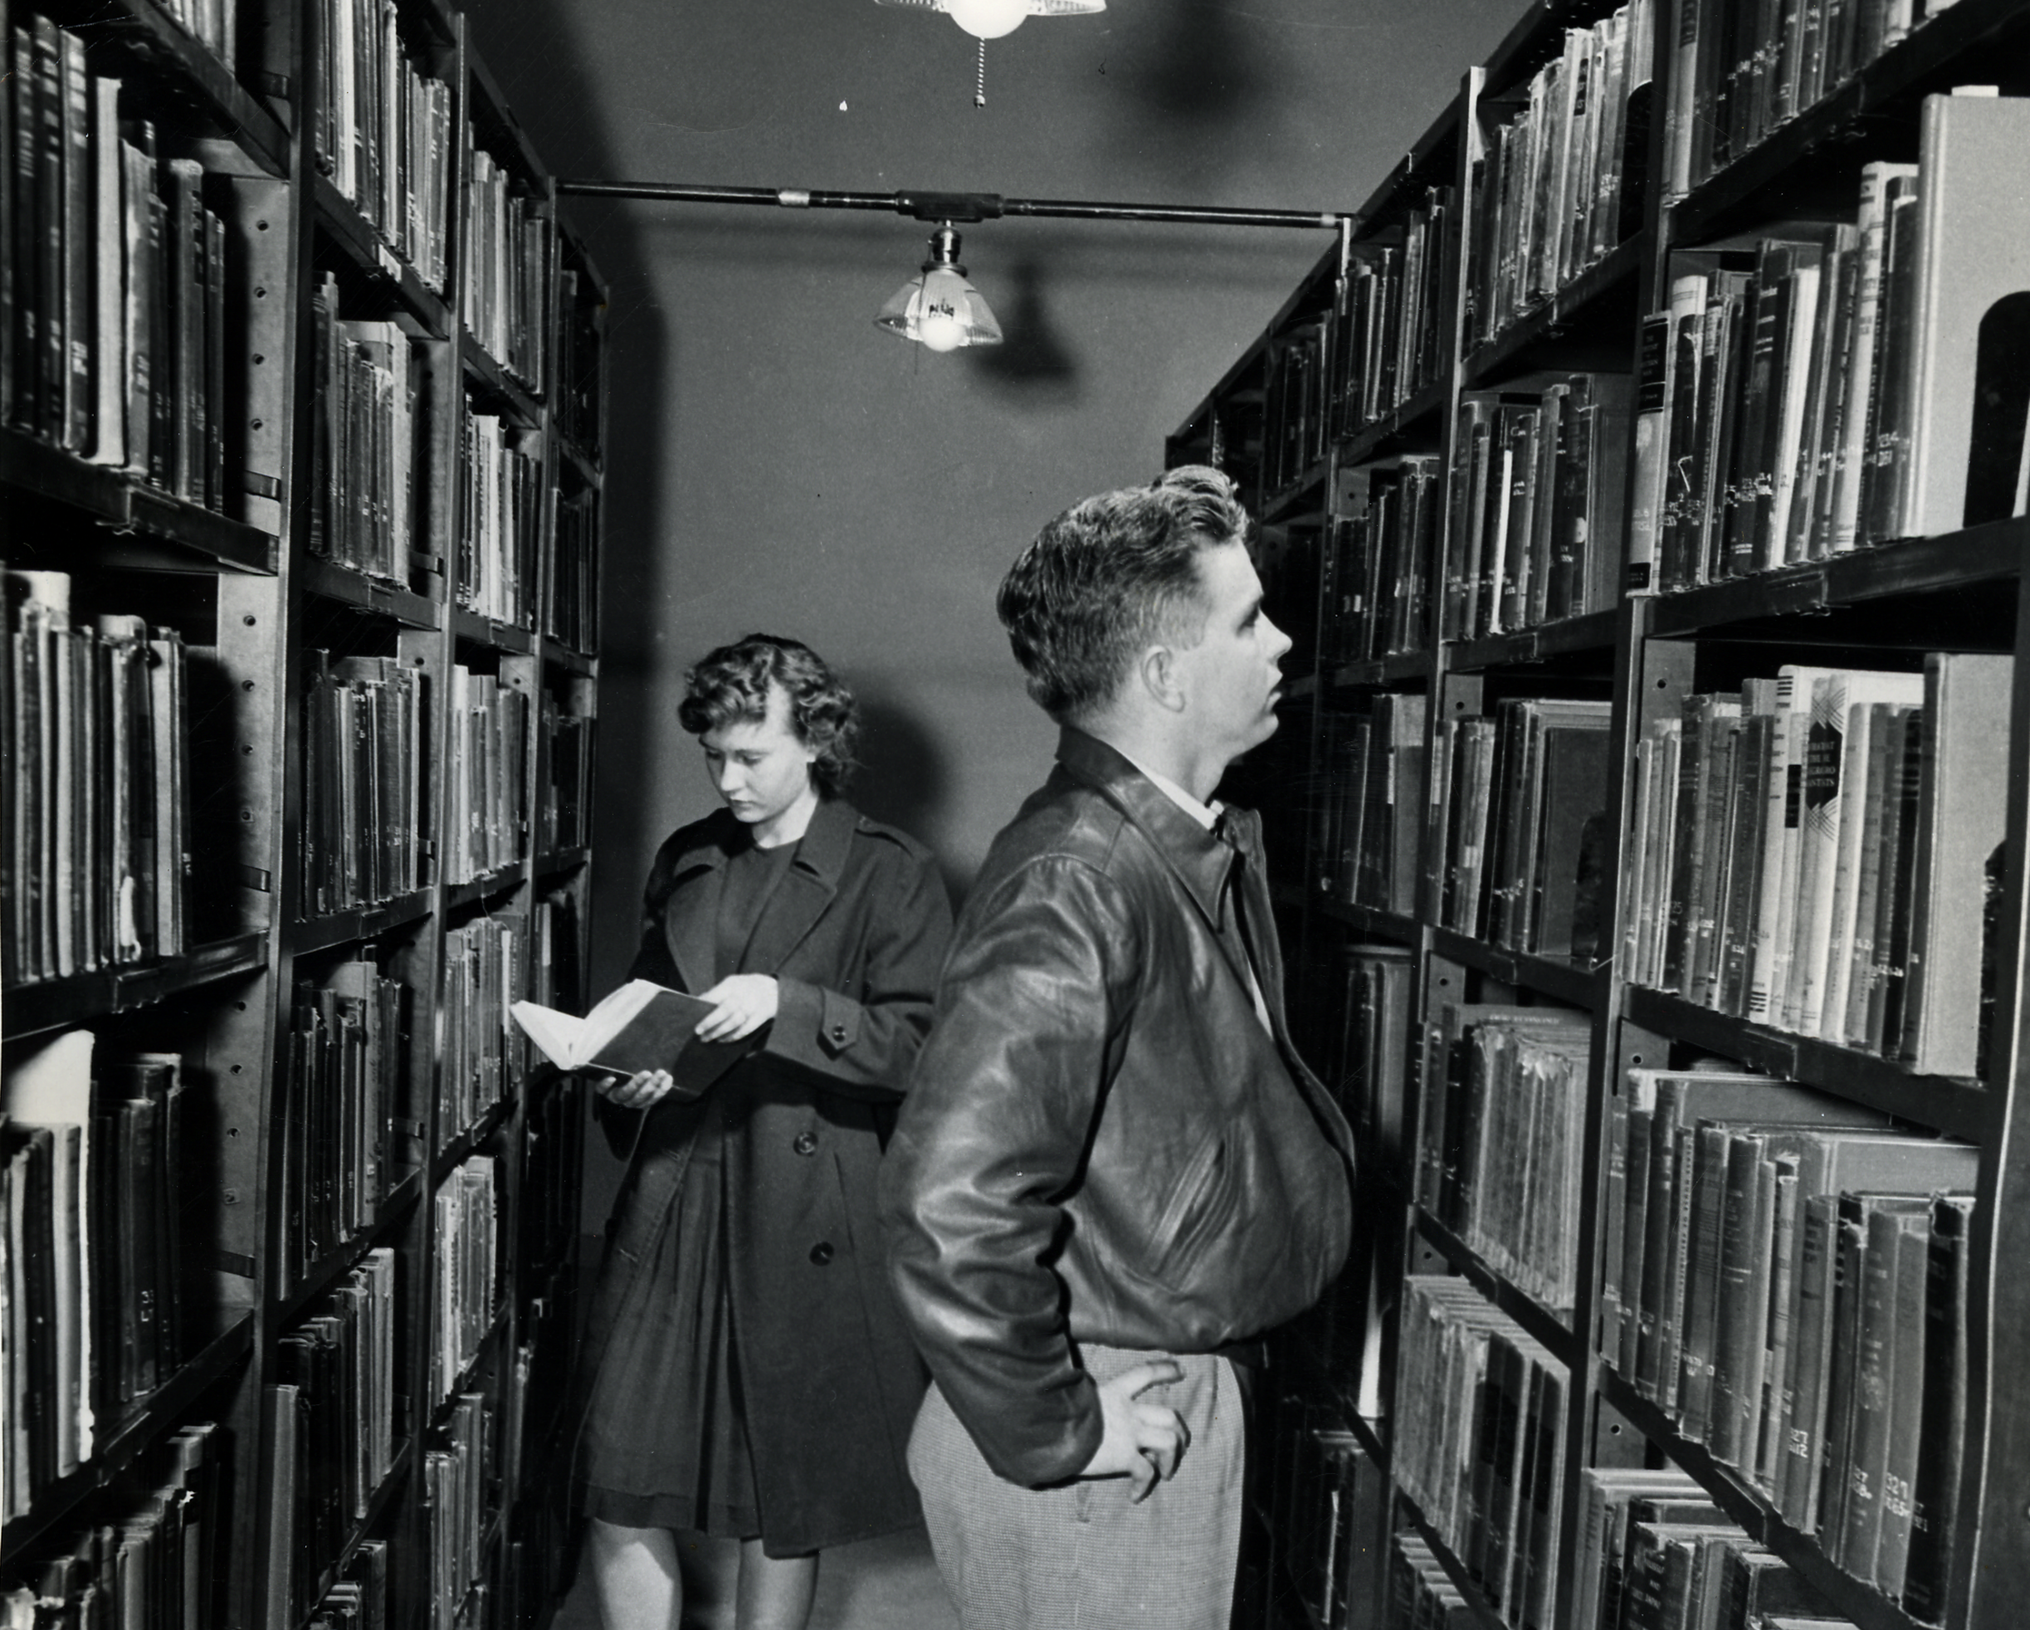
(1537, 639)
(255, 547)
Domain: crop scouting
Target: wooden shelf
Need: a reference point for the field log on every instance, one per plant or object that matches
(187, 69)
(560, 862)
(1413, 420)
(1964, 1109)
(1981, 554)
(330, 581)
(360, 922)
(1402, 668)
(1518, 348)
(508, 637)
(1574, 983)
(336, 1263)
(1370, 921)
(503, 392)
(1288, 504)
(1430, 161)
(1571, 636)
(117, 1445)
(453, 1154)
(1747, 1506)
(1542, 1323)
(363, 245)
(84, 997)
(579, 462)
(561, 656)
(128, 505)
(483, 887)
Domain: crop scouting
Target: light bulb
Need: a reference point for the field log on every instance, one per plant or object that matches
(941, 332)
(988, 19)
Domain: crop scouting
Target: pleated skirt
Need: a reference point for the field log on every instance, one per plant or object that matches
(665, 1436)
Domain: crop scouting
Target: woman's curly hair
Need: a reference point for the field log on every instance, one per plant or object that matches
(732, 683)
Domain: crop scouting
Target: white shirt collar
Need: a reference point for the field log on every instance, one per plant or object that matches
(1204, 814)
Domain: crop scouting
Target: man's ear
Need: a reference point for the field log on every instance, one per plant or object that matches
(1156, 669)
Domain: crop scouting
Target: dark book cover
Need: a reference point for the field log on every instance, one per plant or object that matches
(1936, 1537)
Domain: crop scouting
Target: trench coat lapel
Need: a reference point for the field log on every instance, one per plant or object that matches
(691, 910)
(806, 889)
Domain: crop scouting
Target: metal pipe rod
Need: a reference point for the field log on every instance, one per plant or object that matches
(955, 206)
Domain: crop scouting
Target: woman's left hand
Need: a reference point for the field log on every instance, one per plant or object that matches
(742, 1005)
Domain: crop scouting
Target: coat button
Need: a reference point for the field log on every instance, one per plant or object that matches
(821, 1253)
(806, 1143)
(839, 1034)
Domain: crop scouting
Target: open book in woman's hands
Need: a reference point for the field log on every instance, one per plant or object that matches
(641, 1026)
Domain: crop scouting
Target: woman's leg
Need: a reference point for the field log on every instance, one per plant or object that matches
(775, 1591)
(635, 1573)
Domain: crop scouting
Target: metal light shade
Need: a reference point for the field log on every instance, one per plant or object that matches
(938, 308)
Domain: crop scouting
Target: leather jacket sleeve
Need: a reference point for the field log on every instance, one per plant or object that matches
(992, 1135)
(861, 1043)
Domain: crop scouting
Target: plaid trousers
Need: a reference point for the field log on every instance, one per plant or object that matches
(1083, 1555)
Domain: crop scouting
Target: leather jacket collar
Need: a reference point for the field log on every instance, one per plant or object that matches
(1198, 858)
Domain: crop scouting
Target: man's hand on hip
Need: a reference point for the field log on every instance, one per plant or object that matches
(1143, 1441)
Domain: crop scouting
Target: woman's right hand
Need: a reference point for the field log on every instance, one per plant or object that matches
(642, 1091)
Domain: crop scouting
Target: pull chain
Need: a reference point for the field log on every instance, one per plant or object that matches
(980, 83)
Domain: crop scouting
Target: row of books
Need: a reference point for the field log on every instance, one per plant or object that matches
(580, 380)
(1518, 843)
(571, 596)
(1742, 70)
(1537, 487)
(365, 442)
(116, 337)
(505, 293)
(456, 1477)
(1766, 1288)
(1820, 854)
(487, 824)
(1322, 1490)
(1850, 384)
(1389, 341)
(1377, 565)
(151, 1560)
(1421, 1594)
(382, 131)
(348, 1082)
(1296, 427)
(364, 776)
(334, 1393)
(1479, 1442)
(1499, 1158)
(93, 1245)
(485, 969)
(94, 722)
(500, 522)
(464, 1277)
(1370, 807)
(1655, 1553)
(1563, 181)
(563, 817)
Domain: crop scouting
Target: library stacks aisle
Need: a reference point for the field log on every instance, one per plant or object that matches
(1643, 479)
(302, 396)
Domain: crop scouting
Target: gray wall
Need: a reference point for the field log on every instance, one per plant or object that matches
(777, 462)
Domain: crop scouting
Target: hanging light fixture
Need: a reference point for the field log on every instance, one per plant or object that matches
(938, 308)
(992, 19)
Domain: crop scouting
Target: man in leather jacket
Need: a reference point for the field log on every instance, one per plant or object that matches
(1112, 1174)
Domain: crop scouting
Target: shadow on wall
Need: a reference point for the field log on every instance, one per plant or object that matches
(1197, 71)
(1032, 363)
(903, 777)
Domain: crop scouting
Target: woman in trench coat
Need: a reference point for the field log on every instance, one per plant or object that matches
(748, 1375)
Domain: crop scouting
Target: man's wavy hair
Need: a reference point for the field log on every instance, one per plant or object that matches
(1109, 576)
(732, 683)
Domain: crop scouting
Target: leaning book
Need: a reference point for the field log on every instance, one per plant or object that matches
(641, 1026)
